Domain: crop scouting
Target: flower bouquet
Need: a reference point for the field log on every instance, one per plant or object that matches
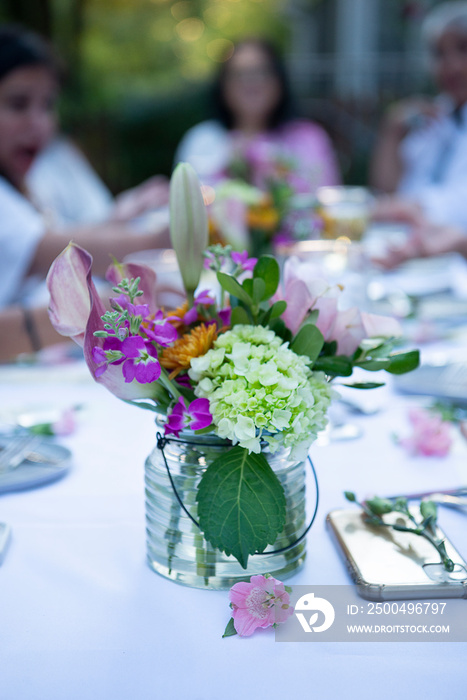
(257, 206)
(247, 374)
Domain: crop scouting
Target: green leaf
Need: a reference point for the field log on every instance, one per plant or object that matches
(309, 341)
(259, 288)
(365, 385)
(267, 269)
(374, 365)
(428, 509)
(403, 362)
(230, 629)
(330, 348)
(241, 504)
(312, 318)
(233, 287)
(337, 366)
(278, 308)
(350, 496)
(239, 315)
(280, 329)
(380, 506)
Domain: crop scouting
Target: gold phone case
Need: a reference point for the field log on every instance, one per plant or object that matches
(390, 565)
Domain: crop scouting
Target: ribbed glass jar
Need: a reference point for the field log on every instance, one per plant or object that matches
(176, 547)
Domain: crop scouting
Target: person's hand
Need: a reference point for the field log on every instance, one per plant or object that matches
(150, 195)
(409, 114)
(392, 208)
(426, 240)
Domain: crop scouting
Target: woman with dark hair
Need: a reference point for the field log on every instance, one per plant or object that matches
(255, 126)
(30, 237)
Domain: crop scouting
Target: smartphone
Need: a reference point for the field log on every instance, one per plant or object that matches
(389, 565)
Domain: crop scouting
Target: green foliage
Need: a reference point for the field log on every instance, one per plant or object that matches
(425, 527)
(230, 629)
(241, 504)
(308, 341)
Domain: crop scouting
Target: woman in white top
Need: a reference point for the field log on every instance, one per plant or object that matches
(421, 155)
(29, 85)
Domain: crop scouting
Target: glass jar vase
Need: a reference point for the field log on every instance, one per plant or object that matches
(176, 547)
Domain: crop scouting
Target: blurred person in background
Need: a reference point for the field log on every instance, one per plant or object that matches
(255, 129)
(30, 238)
(421, 154)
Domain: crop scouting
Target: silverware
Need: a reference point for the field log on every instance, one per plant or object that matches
(454, 498)
(16, 451)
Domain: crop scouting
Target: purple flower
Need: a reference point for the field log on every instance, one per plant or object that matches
(224, 315)
(195, 417)
(137, 356)
(160, 330)
(141, 360)
(133, 309)
(243, 261)
(191, 316)
(204, 298)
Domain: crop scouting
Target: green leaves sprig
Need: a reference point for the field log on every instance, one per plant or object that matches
(425, 526)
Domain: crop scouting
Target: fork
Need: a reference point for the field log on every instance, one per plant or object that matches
(16, 450)
(455, 498)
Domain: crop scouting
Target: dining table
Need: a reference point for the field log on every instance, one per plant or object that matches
(83, 617)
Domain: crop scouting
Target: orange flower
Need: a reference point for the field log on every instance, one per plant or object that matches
(193, 344)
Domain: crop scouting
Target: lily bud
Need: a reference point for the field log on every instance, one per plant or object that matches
(188, 225)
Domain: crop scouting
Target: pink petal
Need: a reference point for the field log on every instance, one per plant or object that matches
(71, 288)
(147, 285)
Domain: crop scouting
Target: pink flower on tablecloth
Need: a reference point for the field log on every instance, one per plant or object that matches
(66, 423)
(261, 603)
(430, 436)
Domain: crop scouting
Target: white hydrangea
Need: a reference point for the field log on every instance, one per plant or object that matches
(259, 389)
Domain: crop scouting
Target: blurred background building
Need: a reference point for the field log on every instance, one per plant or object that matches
(139, 70)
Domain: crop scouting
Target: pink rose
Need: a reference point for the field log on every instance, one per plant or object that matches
(430, 436)
(261, 603)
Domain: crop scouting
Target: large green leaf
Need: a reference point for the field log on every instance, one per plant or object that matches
(267, 269)
(309, 341)
(241, 504)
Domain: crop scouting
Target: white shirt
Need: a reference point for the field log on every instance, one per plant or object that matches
(63, 184)
(435, 168)
(21, 229)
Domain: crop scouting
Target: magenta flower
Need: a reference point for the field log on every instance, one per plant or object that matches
(160, 330)
(195, 417)
(138, 357)
(431, 435)
(133, 309)
(224, 315)
(204, 298)
(261, 603)
(243, 261)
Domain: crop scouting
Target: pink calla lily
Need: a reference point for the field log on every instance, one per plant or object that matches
(71, 289)
(117, 271)
(75, 311)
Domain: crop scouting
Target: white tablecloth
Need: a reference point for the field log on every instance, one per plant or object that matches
(83, 617)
